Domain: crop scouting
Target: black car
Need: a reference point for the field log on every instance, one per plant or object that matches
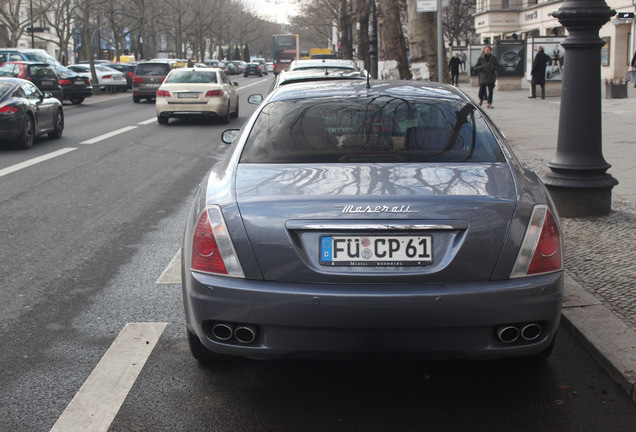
(253, 69)
(75, 88)
(26, 112)
(128, 69)
(41, 74)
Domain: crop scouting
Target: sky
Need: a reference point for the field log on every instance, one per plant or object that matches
(274, 10)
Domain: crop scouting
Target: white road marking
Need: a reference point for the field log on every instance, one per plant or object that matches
(145, 122)
(172, 273)
(37, 160)
(108, 135)
(97, 402)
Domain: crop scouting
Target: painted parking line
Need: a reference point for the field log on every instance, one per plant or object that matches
(145, 122)
(172, 273)
(37, 160)
(108, 135)
(97, 402)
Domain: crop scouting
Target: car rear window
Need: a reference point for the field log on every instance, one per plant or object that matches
(190, 76)
(377, 129)
(152, 69)
(40, 71)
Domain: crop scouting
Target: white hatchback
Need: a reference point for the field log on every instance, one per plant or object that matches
(197, 91)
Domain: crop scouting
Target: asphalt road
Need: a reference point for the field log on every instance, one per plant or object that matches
(86, 235)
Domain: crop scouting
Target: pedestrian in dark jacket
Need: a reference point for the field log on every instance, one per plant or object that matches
(487, 67)
(539, 64)
(454, 64)
(634, 68)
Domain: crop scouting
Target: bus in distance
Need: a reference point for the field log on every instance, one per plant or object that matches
(285, 49)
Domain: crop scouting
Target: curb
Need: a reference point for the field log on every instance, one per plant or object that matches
(610, 341)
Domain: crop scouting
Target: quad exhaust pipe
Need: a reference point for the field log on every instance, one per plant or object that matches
(243, 333)
(512, 333)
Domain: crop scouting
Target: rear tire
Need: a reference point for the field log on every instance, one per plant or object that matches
(76, 100)
(27, 136)
(162, 119)
(136, 99)
(59, 125)
(226, 118)
(235, 114)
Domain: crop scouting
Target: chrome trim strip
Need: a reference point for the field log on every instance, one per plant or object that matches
(375, 226)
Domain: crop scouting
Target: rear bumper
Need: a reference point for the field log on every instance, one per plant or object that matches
(430, 321)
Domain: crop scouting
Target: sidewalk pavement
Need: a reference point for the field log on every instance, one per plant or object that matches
(600, 284)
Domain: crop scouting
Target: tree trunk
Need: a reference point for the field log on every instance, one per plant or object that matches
(422, 33)
(363, 11)
(392, 38)
(344, 25)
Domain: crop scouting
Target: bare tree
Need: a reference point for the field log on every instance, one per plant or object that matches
(458, 22)
(12, 25)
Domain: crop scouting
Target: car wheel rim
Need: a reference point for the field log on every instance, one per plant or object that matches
(28, 133)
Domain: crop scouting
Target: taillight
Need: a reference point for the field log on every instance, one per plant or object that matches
(212, 248)
(214, 93)
(8, 110)
(138, 80)
(163, 93)
(107, 76)
(541, 250)
(130, 74)
(64, 82)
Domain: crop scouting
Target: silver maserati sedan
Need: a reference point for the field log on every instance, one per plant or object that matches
(371, 220)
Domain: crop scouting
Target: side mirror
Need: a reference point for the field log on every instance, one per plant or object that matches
(47, 95)
(255, 99)
(229, 135)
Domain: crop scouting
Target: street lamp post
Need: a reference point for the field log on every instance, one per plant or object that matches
(32, 24)
(579, 183)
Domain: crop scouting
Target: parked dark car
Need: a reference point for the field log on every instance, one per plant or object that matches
(128, 69)
(41, 74)
(26, 112)
(371, 220)
(150, 74)
(75, 87)
(253, 69)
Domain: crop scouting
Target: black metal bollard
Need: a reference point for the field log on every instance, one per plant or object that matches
(579, 183)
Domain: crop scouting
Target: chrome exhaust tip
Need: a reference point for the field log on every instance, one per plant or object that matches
(245, 333)
(531, 331)
(223, 331)
(508, 334)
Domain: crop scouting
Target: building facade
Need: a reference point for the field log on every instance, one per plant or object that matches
(522, 19)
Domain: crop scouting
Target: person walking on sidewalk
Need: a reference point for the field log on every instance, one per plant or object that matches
(487, 66)
(539, 64)
(454, 64)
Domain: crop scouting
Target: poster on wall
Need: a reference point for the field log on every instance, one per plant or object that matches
(510, 54)
(552, 47)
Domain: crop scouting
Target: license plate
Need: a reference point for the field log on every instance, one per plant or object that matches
(47, 83)
(376, 250)
(188, 95)
(79, 82)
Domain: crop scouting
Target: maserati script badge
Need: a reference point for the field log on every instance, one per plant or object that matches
(378, 209)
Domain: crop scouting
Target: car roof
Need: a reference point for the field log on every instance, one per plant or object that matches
(320, 63)
(359, 88)
(304, 75)
(28, 62)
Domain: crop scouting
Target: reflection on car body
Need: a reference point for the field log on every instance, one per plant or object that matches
(371, 222)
